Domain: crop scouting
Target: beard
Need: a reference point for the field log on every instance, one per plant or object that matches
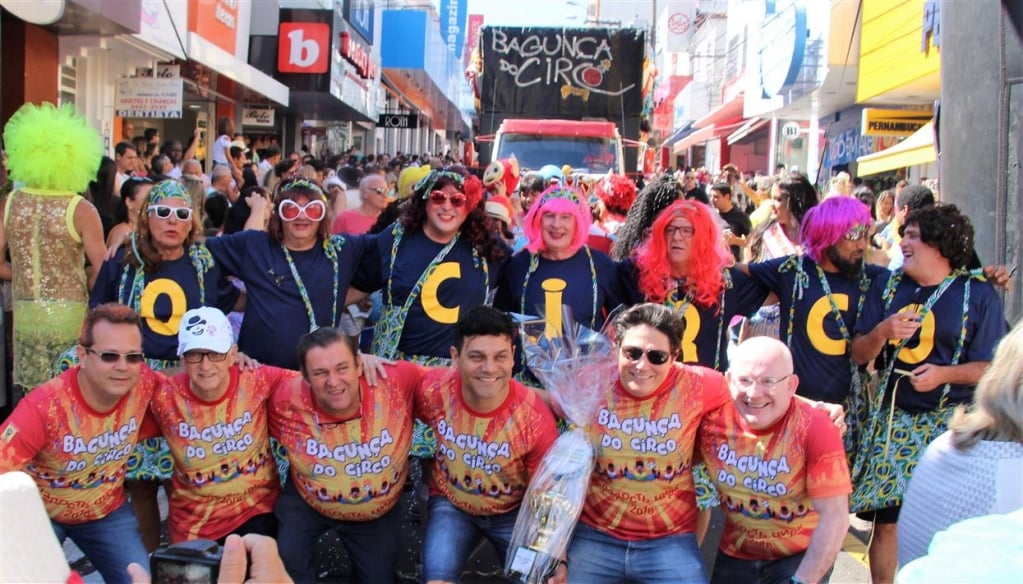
(846, 267)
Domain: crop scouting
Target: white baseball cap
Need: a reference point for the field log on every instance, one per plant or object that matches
(205, 328)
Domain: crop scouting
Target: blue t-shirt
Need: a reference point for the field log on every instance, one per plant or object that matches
(705, 339)
(557, 282)
(168, 294)
(938, 336)
(820, 352)
(275, 314)
(459, 282)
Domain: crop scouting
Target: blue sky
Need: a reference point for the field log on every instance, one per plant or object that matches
(528, 12)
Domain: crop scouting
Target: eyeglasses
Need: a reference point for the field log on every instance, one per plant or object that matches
(112, 357)
(856, 233)
(165, 211)
(377, 190)
(654, 356)
(290, 210)
(439, 197)
(197, 356)
(747, 382)
(686, 231)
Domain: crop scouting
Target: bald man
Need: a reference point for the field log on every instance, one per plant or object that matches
(781, 469)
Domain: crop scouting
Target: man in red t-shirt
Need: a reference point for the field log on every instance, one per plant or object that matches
(781, 469)
(73, 435)
(347, 444)
(213, 416)
(492, 433)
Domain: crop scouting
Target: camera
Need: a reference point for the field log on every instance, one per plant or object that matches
(189, 562)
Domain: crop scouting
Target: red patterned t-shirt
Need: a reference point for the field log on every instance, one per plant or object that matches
(350, 470)
(224, 472)
(642, 486)
(484, 460)
(76, 455)
(767, 478)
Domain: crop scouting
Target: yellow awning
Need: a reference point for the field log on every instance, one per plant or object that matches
(916, 149)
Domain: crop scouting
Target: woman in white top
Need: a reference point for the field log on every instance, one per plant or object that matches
(976, 468)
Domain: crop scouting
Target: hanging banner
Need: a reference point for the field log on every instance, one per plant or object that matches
(453, 15)
(148, 97)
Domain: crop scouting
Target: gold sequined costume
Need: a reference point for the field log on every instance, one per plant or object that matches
(50, 287)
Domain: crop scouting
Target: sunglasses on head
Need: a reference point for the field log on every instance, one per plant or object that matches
(654, 356)
(438, 197)
(165, 211)
(290, 210)
(114, 356)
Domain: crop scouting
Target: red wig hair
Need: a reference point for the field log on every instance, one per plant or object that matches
(708, 256)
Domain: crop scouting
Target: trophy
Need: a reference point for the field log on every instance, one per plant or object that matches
(575, 365)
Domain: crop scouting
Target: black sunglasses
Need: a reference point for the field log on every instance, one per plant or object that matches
(113, 356)
(654, 356)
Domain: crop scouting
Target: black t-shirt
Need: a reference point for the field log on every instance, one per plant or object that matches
(697, 193)
(739, 223)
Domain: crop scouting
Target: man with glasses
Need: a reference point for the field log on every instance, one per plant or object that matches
(373, 197)
(297, 275)
(73, 435)
(214, 418)
(692, 189)
(781, 470)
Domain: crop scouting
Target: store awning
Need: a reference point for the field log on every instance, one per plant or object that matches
(916, 149)
(703, 135)
(750, 127)
(234, 68)
(728, 112)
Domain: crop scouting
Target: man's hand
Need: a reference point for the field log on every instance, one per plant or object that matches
(560, 574)
(999, 277)
(255, 553)
(246, 363)
(927, 377)
(901, 325)
(373, 367)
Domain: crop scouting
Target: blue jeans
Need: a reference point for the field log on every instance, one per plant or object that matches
(595, 557)
(373, 546)
(110, 543)
(452, 533)
(728, 569)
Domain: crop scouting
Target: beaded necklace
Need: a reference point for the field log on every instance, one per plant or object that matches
(389, 327)
(331, 247)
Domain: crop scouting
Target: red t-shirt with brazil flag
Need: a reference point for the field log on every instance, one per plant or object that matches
(642, 486)
(224, 472)
(768, 477)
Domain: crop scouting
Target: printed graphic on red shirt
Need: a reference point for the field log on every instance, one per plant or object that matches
(350, 470)
(75, 454)
(224, 471)
(767, 480)
(484, 461)
(642, 486)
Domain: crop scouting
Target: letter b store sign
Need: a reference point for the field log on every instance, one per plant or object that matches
(304, 47)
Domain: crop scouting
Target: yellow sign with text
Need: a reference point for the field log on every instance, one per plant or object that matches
(893, 123)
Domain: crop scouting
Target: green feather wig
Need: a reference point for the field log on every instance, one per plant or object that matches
(52, 148)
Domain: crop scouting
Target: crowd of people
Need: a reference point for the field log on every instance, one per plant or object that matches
(786, 356)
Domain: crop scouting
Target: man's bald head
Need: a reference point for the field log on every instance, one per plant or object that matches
(761, 381)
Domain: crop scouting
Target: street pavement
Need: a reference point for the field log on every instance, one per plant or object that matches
(483, 565)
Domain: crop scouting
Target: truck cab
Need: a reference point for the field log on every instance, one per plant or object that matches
(589, 147)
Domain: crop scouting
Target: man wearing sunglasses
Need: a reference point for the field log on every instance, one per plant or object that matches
(373, 198)
(297, 275)
(214, 417)
(781, 470)
(73, 435)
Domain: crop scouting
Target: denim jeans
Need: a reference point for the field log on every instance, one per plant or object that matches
(452, 533)
(110, 543)
(373, 546)
(595, 557)
(728, 569)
